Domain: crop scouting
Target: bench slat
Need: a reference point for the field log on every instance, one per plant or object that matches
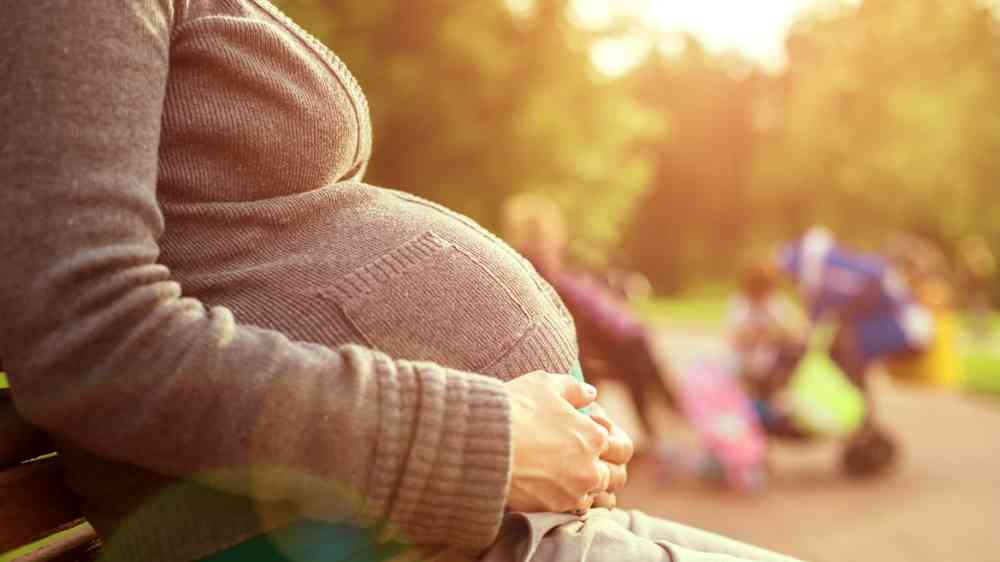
(79, 545)
(34, 500)
(34, 503)
(19, 440)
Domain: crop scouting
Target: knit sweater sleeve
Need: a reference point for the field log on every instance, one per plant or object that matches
(105, 352)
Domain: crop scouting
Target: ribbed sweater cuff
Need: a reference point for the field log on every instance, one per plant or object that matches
(442, 465)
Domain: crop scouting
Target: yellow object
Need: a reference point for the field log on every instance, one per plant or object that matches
(822, 400)
(939, 365)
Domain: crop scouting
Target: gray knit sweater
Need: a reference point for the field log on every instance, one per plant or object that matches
(200, 300)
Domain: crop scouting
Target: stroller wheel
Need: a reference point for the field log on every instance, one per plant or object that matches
(868, 454)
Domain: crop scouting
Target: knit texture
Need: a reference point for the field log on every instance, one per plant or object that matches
(223, 328)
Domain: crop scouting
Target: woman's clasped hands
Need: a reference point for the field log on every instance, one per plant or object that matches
(564, 460)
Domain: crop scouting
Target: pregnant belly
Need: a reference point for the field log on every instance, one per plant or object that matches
(400, 275)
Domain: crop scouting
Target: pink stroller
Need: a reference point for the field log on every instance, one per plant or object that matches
(722, 414)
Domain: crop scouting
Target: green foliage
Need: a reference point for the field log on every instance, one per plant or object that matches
(888, 122)
(472, 103)
(693, 221)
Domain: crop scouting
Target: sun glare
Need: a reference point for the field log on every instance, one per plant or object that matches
(756, 30)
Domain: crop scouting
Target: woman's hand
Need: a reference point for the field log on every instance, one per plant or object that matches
(618, 455)
(557, 463)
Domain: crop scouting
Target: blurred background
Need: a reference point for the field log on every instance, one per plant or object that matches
(682, 141)
(680, 137)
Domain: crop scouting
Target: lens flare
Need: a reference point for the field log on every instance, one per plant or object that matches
(756, 30)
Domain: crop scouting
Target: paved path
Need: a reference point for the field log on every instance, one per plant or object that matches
(942, 502)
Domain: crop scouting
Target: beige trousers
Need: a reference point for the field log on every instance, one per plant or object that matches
(608, 536)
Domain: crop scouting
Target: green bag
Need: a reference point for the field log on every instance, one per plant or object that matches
(822, 399)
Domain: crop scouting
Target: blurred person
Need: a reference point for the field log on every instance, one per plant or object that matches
(876, 315)
(240, 348)
(872, 304)
(630, 286)
(930, 277)
(925, 268)
(614, 344)
(762, 327)
(978, 267)
(765, 333)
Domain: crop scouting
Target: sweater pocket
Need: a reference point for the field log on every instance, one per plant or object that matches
(431, 300)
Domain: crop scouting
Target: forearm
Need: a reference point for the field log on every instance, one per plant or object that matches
(344, 435)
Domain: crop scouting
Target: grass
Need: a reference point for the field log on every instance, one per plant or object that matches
(705, 312)
(705, 308)
(981, 379)
(982, 363)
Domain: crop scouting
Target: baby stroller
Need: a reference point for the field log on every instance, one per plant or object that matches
(872, 316)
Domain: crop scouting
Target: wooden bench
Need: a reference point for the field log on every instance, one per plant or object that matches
(35, 502)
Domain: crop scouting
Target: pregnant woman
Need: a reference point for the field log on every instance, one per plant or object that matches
(200, 301)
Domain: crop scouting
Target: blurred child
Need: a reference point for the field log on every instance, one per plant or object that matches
(614, 344)
(761, 324)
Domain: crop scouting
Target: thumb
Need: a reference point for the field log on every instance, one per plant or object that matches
(579, 394)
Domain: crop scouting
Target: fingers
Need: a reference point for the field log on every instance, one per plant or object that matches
(584, 504)
(603, 471)
(607, 500)
(557, 450)
(617, 477)
(620, 445)
(579, 394)
(620, 449)
(598, 436)
(607, 477)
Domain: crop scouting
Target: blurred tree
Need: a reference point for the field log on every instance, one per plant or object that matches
(472, 101)
(888, 123)
(694, 221)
